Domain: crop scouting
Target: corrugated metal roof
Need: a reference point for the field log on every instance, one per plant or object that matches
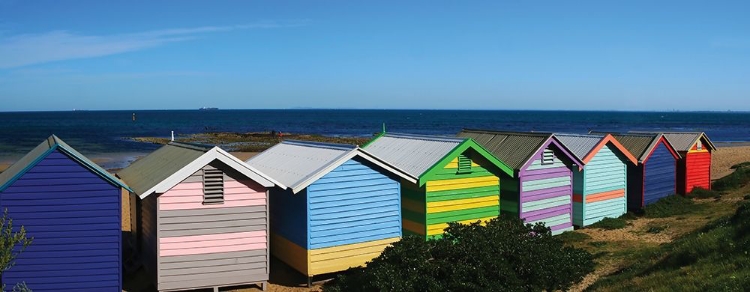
(413, 154)
(294, 162)
(639, 145)
(684, 141)
(578, 144)
(28, 161)
(147, 172)
(297, 164)
(513, 148)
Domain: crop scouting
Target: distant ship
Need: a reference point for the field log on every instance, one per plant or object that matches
(208, 109)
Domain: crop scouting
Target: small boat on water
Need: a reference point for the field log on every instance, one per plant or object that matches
(208, 109)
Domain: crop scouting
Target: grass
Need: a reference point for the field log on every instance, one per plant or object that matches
(707, 246)
(737, 179)
(701, 193)
(610, 223)
(570, 236)
(670, 206)
(712, 258)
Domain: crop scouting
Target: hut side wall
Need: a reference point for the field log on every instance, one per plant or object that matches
(288, 218)
(74, 216)
(600, 188)
(148, 236)
(659, 175)
(354, 213)
(413, 207)
(547, 193)
(509, 195)
(210, 245)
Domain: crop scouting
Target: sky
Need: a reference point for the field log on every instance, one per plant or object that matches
(548, 55)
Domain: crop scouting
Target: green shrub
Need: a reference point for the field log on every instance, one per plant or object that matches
(503, 255)
(702, 193)
(740, 177)
(670, 206)
(610, 223)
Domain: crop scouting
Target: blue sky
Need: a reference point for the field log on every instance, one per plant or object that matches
(579, 55)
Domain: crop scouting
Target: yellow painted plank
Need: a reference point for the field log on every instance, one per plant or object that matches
(292, 254)
(413, 226)
(412, 205)
(340, 258)
(340, 265)
(462, 183)
(698, 151)
(485, 202)
(436, 229)
(454, 164)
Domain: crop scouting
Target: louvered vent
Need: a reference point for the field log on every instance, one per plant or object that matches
(213, 186)
(548, 157)
(464, 164)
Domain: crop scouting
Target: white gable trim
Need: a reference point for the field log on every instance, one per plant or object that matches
(301, 185)
(215, 153)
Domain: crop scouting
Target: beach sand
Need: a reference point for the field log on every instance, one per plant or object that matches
(725, 157)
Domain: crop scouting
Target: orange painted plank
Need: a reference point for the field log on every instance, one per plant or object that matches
(605, 196)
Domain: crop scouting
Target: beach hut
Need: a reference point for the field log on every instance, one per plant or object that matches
(73, 210)
(599, 189)
(694, 166)
(453, 179)
(342, 207)
(203, 217)
(654, 176)
(539, 189)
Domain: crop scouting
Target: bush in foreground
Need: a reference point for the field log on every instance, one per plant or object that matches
(503, 255)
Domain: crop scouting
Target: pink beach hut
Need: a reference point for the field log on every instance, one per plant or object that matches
(203, 218)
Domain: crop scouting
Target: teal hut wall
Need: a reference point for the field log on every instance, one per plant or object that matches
(606, 172)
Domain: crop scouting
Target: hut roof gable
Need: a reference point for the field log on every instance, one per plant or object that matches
(684, 141)
(298, 164)
(585, 147)
(28, 161)
(172, 163)
(515, 148)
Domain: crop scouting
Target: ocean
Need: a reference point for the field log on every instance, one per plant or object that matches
(108, 133)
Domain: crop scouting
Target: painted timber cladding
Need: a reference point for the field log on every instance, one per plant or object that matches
(74, 216)
(546, 192)
(697, 171)
(659, 174)
(451, 196)
(600, 188)
(213, 244)
(342, 220)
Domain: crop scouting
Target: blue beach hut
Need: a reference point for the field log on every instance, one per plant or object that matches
(72, 208)
(341, 209)
(654, 177)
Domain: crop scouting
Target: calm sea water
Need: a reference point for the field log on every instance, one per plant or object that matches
(102, 132)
